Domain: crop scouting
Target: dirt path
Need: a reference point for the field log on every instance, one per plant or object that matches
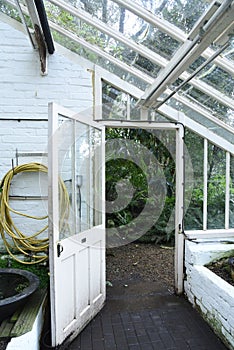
(141, 262)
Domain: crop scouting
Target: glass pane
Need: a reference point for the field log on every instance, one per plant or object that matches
(209, 124)
(88, 175)
(11, 11)
(114, 102)
(216, 174)
(231, 209)
(214, 76)
(117, 104)
(67, 217)
(80, 179)
(229, 52)
(130, 25)
(193, 219)
(183, 14)
(113, 46)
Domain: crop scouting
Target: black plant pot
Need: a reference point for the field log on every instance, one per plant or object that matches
(16, 286)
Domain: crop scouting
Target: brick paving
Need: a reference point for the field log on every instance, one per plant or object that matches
(146, 316)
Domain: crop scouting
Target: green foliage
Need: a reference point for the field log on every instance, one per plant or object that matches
(216, 186)
(159, 233)
(119, 169)
(9, 10)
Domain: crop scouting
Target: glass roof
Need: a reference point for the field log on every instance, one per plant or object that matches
(155, 45)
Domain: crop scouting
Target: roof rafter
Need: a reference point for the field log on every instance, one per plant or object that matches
(124, 66)
(142, 50)
(147, 79)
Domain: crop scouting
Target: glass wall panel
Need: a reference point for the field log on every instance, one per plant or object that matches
(231, 209)
(216, 187)
(193, 219)
(117, 104)
(209, 124)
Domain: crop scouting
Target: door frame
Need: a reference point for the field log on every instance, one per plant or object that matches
(180, 181)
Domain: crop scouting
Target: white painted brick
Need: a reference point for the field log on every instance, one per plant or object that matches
(57, 86)
(26, 94)
(213, 295)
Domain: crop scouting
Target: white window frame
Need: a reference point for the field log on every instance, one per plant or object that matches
(207, 135)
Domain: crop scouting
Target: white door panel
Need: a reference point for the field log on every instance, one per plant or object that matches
(77, 222)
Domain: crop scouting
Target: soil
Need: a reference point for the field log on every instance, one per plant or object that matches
(222, 269)
(149, 262)
(140, 262)
(3, 344)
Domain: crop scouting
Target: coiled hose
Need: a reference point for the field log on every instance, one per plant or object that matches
(28, 245)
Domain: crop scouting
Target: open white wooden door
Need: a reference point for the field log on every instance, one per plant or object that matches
(76, 221)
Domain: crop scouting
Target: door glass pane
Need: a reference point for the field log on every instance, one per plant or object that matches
(80, 179)
(65, 171)
(88, 176)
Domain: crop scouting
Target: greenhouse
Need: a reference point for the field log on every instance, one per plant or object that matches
(117, 128)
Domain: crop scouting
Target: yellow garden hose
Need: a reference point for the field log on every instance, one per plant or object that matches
(29, 245)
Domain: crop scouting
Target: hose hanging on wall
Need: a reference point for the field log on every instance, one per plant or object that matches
(28, 245)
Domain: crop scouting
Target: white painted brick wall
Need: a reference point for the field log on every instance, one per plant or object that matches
(25, 94)
(209, 292)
